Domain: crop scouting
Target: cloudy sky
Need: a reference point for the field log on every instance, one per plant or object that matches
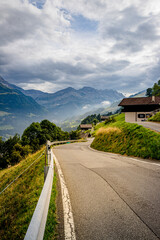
(53, 44)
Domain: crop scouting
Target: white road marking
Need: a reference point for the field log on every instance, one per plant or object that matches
(137, 160)
(69, 228)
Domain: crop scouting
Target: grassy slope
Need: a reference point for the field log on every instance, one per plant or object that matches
(127, 138)
(155, 118)
(17, 202)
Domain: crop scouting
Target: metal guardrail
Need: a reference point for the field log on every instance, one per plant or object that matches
(61, 142)
(38, 222)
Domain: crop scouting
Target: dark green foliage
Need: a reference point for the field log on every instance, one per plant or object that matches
(149, 92)
(110, 120)
(11, 151)
(3, 159)
(38, 133)
(155, 118)
(34, 136)
(74, 135)
(154, 91)
(7, 149)
(91, 119)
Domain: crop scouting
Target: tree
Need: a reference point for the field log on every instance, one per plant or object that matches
(3, 160)
(33, 136)
(156, 90)
(149, 92)
(74, 135)
(95, 121)
(91, 119)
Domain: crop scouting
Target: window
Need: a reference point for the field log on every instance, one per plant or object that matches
(141, 115)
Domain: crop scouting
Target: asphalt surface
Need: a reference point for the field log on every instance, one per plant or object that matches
(152, 125)
(112, 197)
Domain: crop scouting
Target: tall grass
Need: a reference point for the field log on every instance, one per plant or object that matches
(127, 138)
(18, 202)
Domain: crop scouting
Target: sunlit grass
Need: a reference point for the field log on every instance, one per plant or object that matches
(18, 202)
(127, 138)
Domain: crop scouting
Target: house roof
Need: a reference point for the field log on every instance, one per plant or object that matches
(140, 101)
(86, 126)
(104, 117)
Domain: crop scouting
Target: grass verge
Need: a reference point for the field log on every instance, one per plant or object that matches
(127, 139)
(18, 201)
(51, 225)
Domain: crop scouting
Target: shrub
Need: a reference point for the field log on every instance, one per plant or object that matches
(155, 118)
(16, 157)
(110, 120)
(74, 135)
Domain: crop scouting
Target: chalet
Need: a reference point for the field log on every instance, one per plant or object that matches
(139, 109)
(103, 118)
(85, 127)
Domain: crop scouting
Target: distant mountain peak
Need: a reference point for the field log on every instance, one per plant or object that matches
(9, 85)
(86, 88)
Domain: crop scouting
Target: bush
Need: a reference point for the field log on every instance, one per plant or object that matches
(110, 120)
(74, 135)
(16, 157)
(155, 118)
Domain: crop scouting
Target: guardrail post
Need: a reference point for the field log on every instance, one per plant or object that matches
(47, 159)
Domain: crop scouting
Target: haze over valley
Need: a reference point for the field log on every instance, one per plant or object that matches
(19, 107)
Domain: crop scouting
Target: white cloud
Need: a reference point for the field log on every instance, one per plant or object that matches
(86, 107)
(39, 47)
(105, 103)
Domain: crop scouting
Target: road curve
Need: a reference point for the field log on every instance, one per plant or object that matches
(112, 197)
(151, 125)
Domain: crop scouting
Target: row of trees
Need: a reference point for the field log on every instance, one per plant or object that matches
(94, 118)
(154, 91)
(33, 137)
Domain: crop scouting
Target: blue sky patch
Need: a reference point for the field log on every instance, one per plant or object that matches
(38, 3)
(82, 24)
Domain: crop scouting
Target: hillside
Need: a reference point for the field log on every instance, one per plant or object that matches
(127, 139)
(17, 110)
(18, 201)
(14, 101)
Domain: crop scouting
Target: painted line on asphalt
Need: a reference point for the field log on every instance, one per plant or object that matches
(137, 160)
(69, 228)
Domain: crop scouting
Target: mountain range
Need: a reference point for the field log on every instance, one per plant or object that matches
(19, 107)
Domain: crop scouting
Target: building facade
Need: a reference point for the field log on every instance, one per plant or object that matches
(140, 109)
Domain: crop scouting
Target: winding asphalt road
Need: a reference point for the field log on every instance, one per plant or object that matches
(112, 197)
